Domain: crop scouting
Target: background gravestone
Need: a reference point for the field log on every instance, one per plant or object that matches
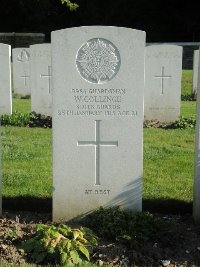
(41, 85)
(21, 71)
(196, 197)
(163, 69)
(195, 71)
(5, 80)
(0, 173)
(98, 81)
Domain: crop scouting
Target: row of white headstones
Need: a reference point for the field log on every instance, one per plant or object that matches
(32, 75)
(30, 68)
(98, 97)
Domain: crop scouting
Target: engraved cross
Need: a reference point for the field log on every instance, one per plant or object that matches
(25, 76)
(48, 75)
(97, 144)
(162, 77)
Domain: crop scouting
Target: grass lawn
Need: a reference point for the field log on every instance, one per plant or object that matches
(168, 163)
(186, 83)
(27, 161)
(22, 105)
(27, 168)
(188, 109)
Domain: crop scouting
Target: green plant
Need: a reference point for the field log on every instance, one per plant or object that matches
(70, 5)
(16, 119)
(60, 244)
(188, 97)
(32, 119)
(132, 228)
(184, 123)
(38, 120)
(10, 234)
(19, 96)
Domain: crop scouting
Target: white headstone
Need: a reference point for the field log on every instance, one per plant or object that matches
(196, 197)
(21, 71)
(163, 69)
(0, 173)
(5, 80)
(195, 71)
(41, 85)
(98, 81)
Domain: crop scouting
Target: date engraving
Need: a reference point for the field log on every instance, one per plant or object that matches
(97, 192)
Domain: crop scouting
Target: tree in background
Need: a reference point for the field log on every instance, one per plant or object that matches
(163, 21)
(39, 15)
(70, 5)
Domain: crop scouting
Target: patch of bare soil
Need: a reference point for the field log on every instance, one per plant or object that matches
(179, 248)
(14, 229)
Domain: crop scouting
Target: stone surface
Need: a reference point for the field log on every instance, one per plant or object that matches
(5, 80)
(0, 173)
(165, 262)
(196, 190)
(41, 85)
(98, 81)
(163, 69)
(21, 71)
(195, 71)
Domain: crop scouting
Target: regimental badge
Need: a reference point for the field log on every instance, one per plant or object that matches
(98, 61)
(23, 56)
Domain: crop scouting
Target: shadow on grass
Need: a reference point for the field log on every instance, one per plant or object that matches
(27, 203)
(36, 204)
(167, 206)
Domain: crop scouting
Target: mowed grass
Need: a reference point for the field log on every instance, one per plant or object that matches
(186, 82)
(168, 164)
(22, 105)
(26, 162)
(169, 156)
(188, 109)
(168, 159)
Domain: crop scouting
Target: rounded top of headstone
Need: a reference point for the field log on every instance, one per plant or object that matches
(98, 60)
(5, 47)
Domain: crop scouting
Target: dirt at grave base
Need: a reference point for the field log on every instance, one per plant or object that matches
(183, 250)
